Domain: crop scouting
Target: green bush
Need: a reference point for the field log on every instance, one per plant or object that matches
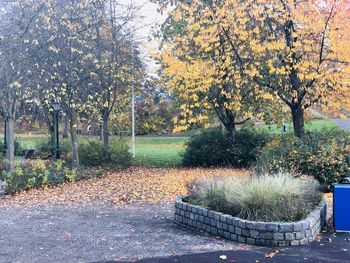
(211, 148)
(91, 154)
(279, 197)
(37, 174)
(119, 154)
(45, 150)
(323, 154)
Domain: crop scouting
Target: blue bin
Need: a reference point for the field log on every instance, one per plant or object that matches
(341, 205)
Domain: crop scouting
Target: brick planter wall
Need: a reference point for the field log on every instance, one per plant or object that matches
(251, 232)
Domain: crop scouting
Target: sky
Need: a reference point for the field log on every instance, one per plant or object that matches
(149, 19)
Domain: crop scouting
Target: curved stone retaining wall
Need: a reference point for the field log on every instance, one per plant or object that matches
(251, 232)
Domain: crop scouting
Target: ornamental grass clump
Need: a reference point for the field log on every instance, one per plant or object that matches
(280, 197)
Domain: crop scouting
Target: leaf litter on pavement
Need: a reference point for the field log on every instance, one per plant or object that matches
(136, 184)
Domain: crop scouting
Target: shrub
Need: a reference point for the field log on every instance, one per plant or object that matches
(279, 197)
(211, 148)
(45, 150)
(37, 174)
(324, 155)
(91, 154)
(119, 154)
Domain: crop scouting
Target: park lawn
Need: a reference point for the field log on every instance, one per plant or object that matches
(159, 151)
(165, 151)
(151, 151)
(314, 125)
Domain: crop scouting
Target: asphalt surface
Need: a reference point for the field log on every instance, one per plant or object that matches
(329, 249)
(343, 123)
(94, 234)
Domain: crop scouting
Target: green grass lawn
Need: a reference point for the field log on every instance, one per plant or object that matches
(314, 125)
(161, 151)
(155, 151)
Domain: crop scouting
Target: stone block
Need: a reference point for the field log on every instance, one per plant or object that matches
(272, 227)
(219, 224)
(207, 228)
(220, 233)
(238, 231)
(178, 218)
(213, 230)
(241, 239)
(245, 232)
(242, 223)
(250, 225)
(250, 241)
(303, 241)
(233, 237)
(308, 233)
(278, 236)
(261, 226)
(210, 214)
(191, 216)
(217, 216)
(282, 243)
(266, 235)
(231, 229)
(297, 227)
(235, 222)
(227, 235)
(229, 220)
(260, 242)
(305, 225)
(299, 235)
(213, 222)
(294, 243)
(204, 212)
(285, 227)
(225, 227)
(254, 234)
(289, 236)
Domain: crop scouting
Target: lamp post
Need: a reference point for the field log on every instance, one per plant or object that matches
(5, 136)
(56, 110)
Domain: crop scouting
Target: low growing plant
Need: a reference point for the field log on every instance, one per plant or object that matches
(279, 197)
(37, 174)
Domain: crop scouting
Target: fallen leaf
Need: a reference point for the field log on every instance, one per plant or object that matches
(272, 254)
(223, 257)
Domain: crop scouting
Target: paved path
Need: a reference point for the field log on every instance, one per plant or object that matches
(337, 250)
(143, 232)
(93, 234)
(343, 123)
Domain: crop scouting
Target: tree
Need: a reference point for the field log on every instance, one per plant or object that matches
(292, 51)
(112, 57)
(205, 70)
(15, 43)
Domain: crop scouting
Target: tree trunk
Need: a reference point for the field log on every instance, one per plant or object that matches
(64, 126)
(74, 141)
(231, 134)
(52, 135)
(10, 134)
(298, 120)
(105, 131)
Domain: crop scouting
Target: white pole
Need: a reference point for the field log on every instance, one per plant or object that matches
(133, 105)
